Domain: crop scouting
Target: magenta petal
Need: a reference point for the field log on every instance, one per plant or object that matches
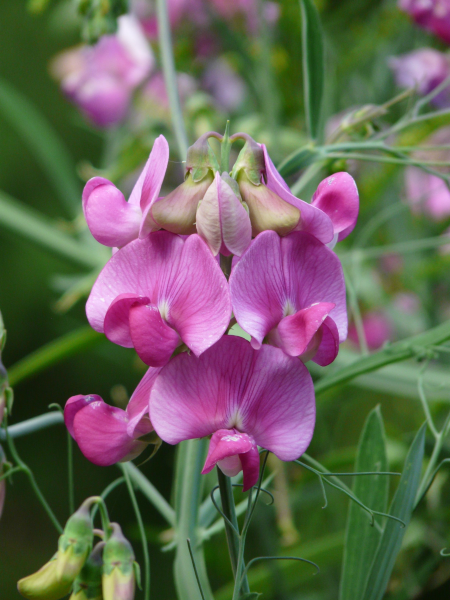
(100, 431)
(148, 186)
(257, 287)
(295, 332)
(312, 219)
(198, 297)
(250, 468)
(263, 393)
(110, 218)
(117, 323)
(313, 273)
(225, 443)
(73, 405)
(90, 187)
(338, 197)
(329, 346)
(153, 339)
(138, 406)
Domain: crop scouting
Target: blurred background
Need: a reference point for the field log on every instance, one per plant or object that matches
(243, 64)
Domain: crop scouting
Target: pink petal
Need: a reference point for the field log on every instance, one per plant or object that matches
(312, 219)
(110, 218)
(148, 186)
(198, 297)
(100, 431)
(295, 332)
(250, 467)
(153, 339)
(117, 322)
(225, 443)
(313, 273)
(337, 196)
(73, 405)
(222, 219)
(138, 405)
(263, 393)
(329, 346)
(141, 268)
(257, 286)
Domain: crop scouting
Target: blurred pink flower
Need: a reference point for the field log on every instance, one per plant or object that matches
(155, 93)
(432, 15)
(243, 398)
(224, 84)
(107, 434)
(407, 302)
(392, 263)
(101, 79)
(377, 330)
(291, 291)
(425, 69)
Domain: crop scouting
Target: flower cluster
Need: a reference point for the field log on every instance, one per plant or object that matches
(106, 570)
(432, 15)
(164, 294)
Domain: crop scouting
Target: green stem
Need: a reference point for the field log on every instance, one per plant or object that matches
(31, 425)
(26, 469)
(357, 318)
(54, 352)
(170, 77)
(229, 510)
(141, 531)
(429, 471)
(239, 581)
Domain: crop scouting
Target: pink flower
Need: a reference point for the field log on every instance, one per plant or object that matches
(222, 220)
(427, 194)
(101, 79)
(377, 330)
(243, 397)
(156, 293)
(425, 69)
(106, 434)
(224, 84)
(112, 220)
(291, 291)
(432, 15)
(155, 93)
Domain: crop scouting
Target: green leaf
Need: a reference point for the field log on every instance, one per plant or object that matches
(250, 596)
(313, 65)
(48, 149)
(20, 218)
(361, 540)
(300, 159)
(402, 506)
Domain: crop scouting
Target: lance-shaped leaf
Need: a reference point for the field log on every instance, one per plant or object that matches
(313, 65)
(361, 540)
(402, 507)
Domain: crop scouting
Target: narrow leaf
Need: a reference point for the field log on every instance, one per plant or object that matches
(361, 540)
(402, 506)
(45, 144)
(313, 65)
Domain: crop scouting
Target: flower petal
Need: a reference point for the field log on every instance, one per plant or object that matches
(208, 217)
(295, 332)
(257, 287)
(117, 322)
(312, 219)
(329, 346)
(110, 218)
(101, 433)
(73, 405)
(225, 443)
(313, 273)
(250, 467)
(263, 393)
(153, 339)
(199, 306)
(138, 406)
(337, 196)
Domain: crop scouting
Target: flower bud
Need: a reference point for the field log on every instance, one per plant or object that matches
(88, 584)
(118, 567)
(44, 584)
(176, 212)
(267, 210)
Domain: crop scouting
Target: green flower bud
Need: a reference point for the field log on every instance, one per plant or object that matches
(118, 567)
(44, 584)
(250, 161)
(88, 584)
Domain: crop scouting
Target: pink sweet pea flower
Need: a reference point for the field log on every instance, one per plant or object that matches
(111, 219)
(292, 291)
(156, 293)
(377, 330)
(222, 220)
(432, 15)
(107, 434)
(427, 194)
(244, 398)
(424, 69)
(101, 79)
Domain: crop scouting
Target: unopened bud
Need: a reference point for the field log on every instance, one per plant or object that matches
(88, 584)
(44, 584)
(118, 567)
(250, 161)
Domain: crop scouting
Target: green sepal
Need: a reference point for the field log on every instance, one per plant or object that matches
(118, 553)
(88, 584)
(137, 574)
(201, 159)
(251, 161)
(9, 400)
